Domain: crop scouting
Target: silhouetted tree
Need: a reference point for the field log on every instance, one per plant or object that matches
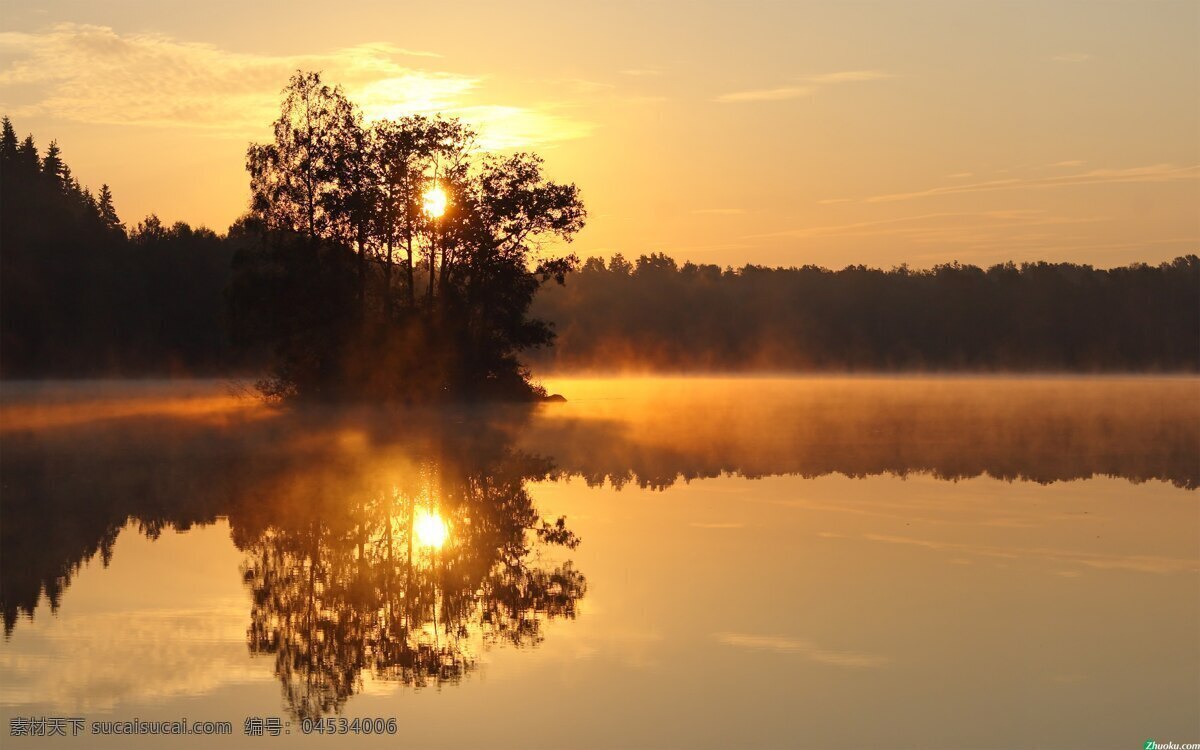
(336, 201)
(52, 166)
(108, 213)
(8, 142)
(28, 161)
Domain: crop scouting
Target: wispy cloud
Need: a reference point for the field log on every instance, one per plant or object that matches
(802, 648)
(850, 76)
(683, 251)
(1072, 57)
(641, 72)
(810, 85)
(1151, 173)
(504, 127)
(766, 95)
(948, 226)
(988, 234)
(97, 75)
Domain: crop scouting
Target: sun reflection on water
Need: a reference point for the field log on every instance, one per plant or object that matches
(430, 529)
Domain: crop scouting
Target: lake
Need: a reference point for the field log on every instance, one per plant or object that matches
(688, 562)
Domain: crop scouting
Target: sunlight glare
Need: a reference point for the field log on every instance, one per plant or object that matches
(430, 529)
(435, 201)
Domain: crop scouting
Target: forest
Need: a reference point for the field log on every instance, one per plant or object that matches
(654, 314)
(83, 294)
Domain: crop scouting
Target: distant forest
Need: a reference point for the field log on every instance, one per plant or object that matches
(82, 294)
(656, 314)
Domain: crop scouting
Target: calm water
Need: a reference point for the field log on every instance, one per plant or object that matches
(949, 563)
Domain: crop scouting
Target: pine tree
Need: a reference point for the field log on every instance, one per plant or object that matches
(52, 165)
(8, 142)
(108, 213)
(28, 163)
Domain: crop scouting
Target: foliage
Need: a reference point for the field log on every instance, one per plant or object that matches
(655, 314)
(359, 290)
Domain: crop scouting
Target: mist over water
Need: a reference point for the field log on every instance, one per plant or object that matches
(849, 561)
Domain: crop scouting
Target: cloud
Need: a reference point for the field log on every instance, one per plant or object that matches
(803, 648)
(1151, 173)
(813, 84)
(685, 250)
(502, 127)
(988, 234)
(1072, 57)
(942, 226)
(585, 86)
(1068, 163)
(766, 95)
(97, 75)
(850, 76)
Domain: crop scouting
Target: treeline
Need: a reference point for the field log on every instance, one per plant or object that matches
(656, 314)
(82, 295)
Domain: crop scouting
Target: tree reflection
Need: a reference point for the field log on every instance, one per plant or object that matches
(344, 585)
(307, 487)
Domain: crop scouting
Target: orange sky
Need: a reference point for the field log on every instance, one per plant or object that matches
(777, 133)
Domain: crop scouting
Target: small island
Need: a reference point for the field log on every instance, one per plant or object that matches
(393, 262)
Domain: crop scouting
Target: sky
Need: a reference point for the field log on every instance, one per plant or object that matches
(776, 133)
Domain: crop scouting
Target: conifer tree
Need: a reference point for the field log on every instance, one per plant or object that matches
(8, 142)
(108, 213)
(52, 165)
(28, 163)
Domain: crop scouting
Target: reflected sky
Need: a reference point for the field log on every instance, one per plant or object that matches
(664, 562)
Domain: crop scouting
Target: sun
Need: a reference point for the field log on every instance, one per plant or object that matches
(430, 529)
(435, 201)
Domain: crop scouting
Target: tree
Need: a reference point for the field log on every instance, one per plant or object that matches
(342, 206)
(108, 212)
(52, 166)
(27, 161)
(292, 181)
(416, 154)
(8, 142)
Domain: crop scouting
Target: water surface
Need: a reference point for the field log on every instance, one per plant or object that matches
(752, 562)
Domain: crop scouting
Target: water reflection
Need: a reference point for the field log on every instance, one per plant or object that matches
(401, 552)
(654, 432)
(408, 581)
(400, 546)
